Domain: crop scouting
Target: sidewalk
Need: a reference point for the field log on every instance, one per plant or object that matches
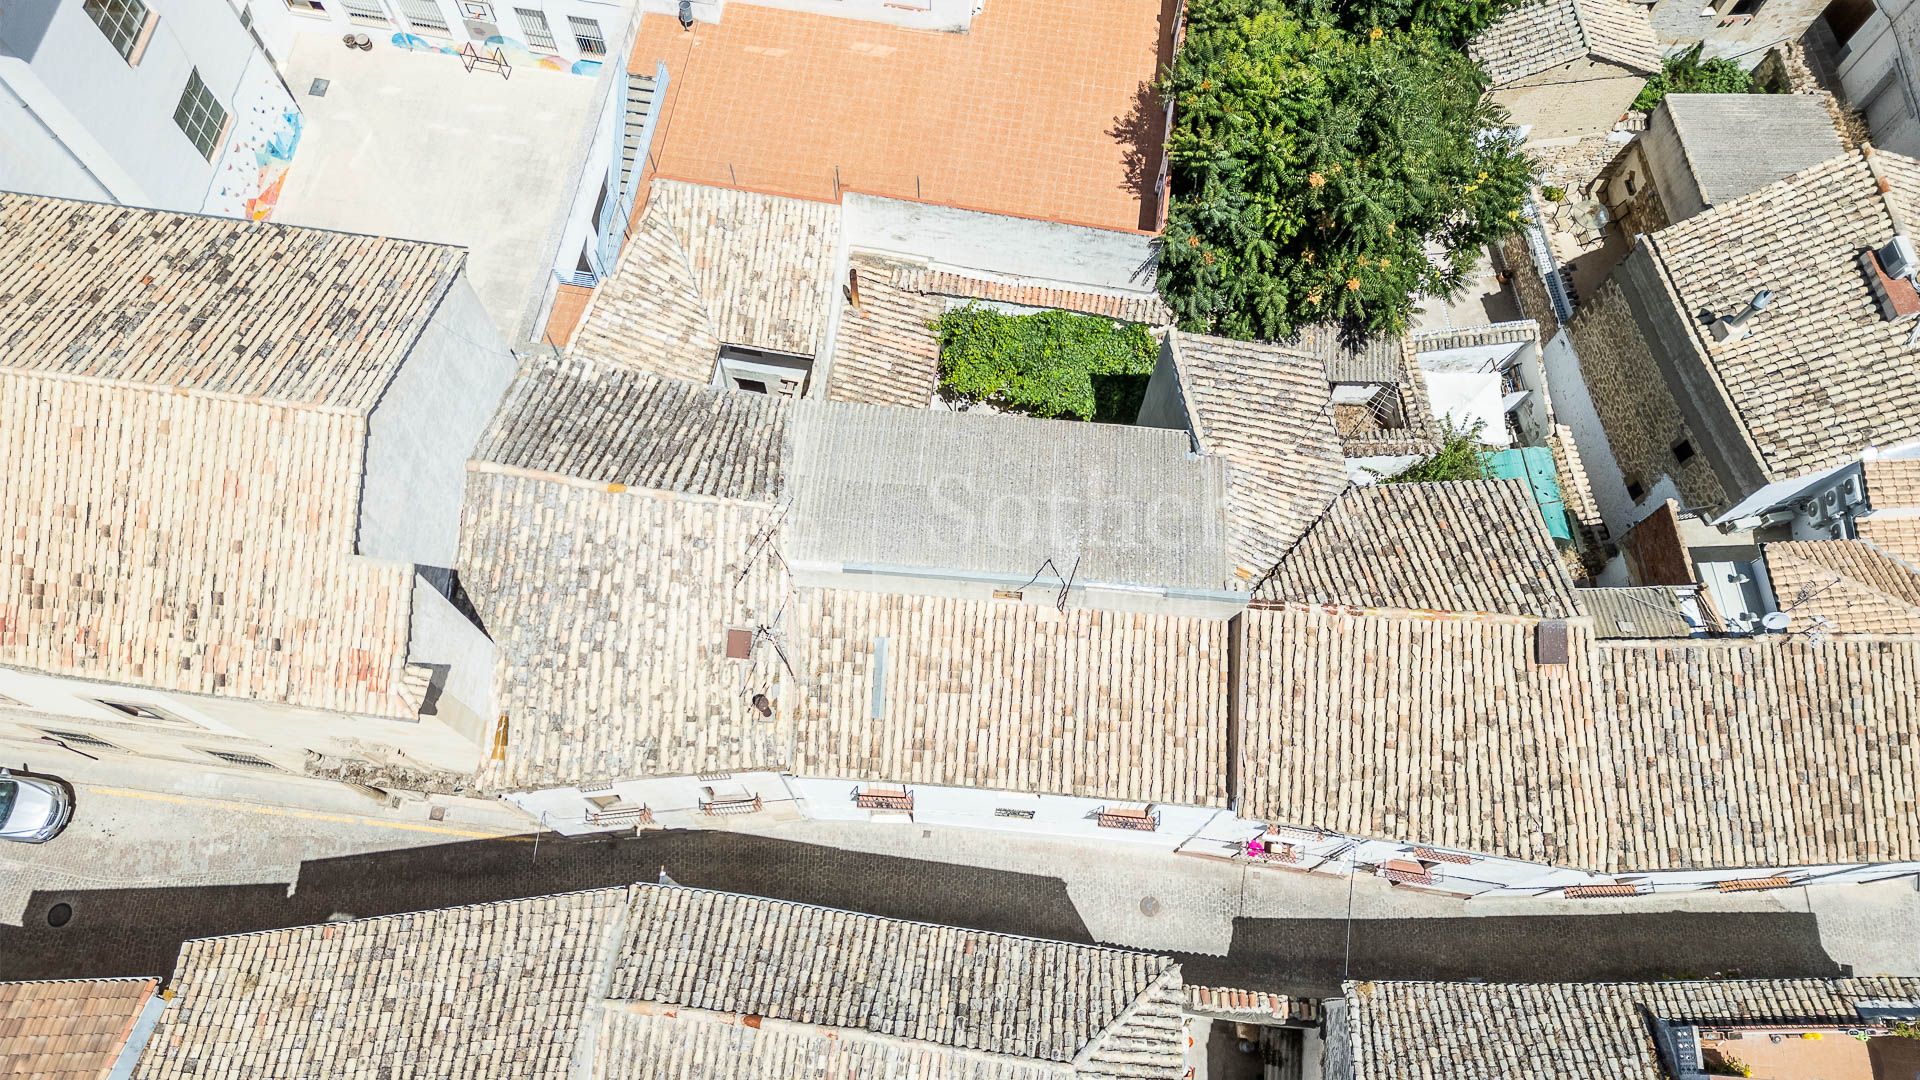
(139, 823)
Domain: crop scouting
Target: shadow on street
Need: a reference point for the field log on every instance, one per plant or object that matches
(138, 931)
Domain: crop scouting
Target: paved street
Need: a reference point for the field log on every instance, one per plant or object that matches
(137, 930)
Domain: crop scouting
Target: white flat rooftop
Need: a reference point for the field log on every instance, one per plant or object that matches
(411, 144)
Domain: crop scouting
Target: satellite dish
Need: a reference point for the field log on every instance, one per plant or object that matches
(1776, 620)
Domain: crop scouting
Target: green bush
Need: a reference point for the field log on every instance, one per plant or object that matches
(1460, 458)
(1686, 73)
(1323, 175)
(1052, 363)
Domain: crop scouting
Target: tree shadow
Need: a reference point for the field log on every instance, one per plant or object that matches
(1142, 135)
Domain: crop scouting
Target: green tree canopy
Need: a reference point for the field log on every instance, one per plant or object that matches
(1456, 21)
(1686, 73)
(1312, 169)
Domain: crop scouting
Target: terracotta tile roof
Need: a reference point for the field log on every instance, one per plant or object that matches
(1469, 546)
(1447, 732)
(605, 424)
(1893, 482)
(1011, 696)
(1148, 309)
(1259, 1006)
(1496, 1031)
(1405, 425)
(183, 301)
(1547, 33)
(1378, 359)
(997, 496)
(650, 313)
(709, 266)
(610, 611)
(660, 982)
(1648, 611)
(195, 543)
(1821, 375)
(885, 351)
(1857, 587)
(1897, 536)
(71, 1029)
(1266, 412)
(1021, 997)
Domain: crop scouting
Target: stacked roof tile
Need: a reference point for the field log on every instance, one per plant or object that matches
(605, 424)
(206, 401)
(1494, 1031)
(1148, 309)
(1821, 374)
(662, 982)
(885, 351)
(1631, 756)
(1472, 546)
(69, 1029)
(1266, 412)
(715, 266)
(1549, 33)
(1852, 584)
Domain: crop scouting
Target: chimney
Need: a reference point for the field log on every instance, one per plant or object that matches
(1734, 327)
(1550, 643)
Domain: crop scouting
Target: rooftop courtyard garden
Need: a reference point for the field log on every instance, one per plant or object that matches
(1050, 363)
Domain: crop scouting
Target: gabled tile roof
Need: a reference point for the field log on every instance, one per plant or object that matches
(1267, 413)
(885, 351)
(1821, 374)
(1148, 309)
(1734, 144)
(68, 1029)
(1853, 584)
(1010, 696)
(605, 424)
(997, 496)
(1502, 1031)
(195, 543)
(1633, 756)
(1893, 483)
(1466, 546)
(610, 611)
(1542, 34)
(1635, 612)
(661, 981)
(712, 266)
(185, 302)
(1897, 536)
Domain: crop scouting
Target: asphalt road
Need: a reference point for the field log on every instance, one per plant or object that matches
(139, 931)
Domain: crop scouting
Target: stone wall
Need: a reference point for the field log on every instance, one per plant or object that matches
(1638, 410)
(1515, 260)
(1785, 70)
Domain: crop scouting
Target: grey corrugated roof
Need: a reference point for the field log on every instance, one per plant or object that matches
(997, 496)
(1740, 143)
(1646, 611)
(615, 425)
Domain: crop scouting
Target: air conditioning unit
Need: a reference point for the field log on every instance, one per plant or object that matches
(1898, 257)
(1854, 489)
(481, 29)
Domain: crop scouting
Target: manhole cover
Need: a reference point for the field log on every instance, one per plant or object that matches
(1149, 906)
(59, 914)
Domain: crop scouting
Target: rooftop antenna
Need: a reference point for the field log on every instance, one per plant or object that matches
(1734, 327)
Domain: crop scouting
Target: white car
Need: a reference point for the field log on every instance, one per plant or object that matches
(32, 810)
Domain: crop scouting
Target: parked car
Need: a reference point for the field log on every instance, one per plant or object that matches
(33, 810)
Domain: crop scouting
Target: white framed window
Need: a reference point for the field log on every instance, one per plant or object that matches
(124, 22)
(534, 27)
(367, 11)
(307, 7)
(423, 15)
(202, 118)
(586, 34)
(142, 712)
(79, 738)
(245, 761)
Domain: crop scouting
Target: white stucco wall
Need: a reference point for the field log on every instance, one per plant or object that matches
(462, 657)
(278, 25)
(117, 118)
(34, 161)
(1070, 255)
(424, 428)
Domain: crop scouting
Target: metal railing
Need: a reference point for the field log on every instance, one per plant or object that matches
(1543, 261)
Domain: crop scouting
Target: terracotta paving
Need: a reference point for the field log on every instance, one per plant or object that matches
(1030, 113)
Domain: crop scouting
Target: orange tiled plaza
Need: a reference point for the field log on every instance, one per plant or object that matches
(1040, 110)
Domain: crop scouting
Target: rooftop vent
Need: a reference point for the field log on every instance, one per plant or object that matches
(1898, 257)
(1889, 271)
(1550, 642)
(739, 644)
(1734, 327)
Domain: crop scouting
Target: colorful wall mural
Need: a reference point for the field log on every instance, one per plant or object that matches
(516, 52)
(252, 169)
